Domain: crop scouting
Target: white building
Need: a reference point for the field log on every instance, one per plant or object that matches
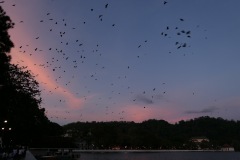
(227, 148)
(199, 139)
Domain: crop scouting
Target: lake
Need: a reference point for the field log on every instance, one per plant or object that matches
(160, 156)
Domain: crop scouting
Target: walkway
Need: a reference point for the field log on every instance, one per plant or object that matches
(29, 156)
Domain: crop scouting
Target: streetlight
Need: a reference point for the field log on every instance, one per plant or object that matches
(5, 123)
(5, 136)
(8, 129)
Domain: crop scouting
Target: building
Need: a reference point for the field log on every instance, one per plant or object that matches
(199, 139)
(227, 148)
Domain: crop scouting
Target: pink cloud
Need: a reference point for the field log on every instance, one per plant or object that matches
(46, 79)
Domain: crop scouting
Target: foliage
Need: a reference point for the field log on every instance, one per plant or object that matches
(5, 44)
(156, 134)
(5, 24)
(20, 97)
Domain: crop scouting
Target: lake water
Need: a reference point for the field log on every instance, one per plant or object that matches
(161, 156)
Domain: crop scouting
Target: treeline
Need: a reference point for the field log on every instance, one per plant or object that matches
(156, 134)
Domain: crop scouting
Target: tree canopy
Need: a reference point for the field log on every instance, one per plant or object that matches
(19, 96)
(5, 44)
(156, 134)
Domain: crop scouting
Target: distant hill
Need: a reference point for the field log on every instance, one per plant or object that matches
(155, 134)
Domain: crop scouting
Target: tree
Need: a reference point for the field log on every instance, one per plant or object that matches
(21, 98)
(5, 43)
(20, 95)
(5, 46)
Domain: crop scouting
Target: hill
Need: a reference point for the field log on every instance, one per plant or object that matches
(156, 134)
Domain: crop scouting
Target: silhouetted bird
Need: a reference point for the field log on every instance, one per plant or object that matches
(106, 5)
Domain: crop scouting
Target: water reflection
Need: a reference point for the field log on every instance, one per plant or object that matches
(161, 156)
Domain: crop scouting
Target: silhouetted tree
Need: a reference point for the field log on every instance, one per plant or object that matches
(158, 134)
(20, 96)
(5, 46)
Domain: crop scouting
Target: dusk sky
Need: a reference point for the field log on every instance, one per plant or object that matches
(130, 60)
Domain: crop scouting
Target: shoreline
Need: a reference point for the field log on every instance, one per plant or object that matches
(120, 151)
(145, 151)
(39, 152)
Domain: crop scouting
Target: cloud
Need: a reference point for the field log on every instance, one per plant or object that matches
(159, 97)
(144, 99)
(46, 79)
(209, 109)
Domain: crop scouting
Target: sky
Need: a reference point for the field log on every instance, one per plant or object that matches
(130, 60)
